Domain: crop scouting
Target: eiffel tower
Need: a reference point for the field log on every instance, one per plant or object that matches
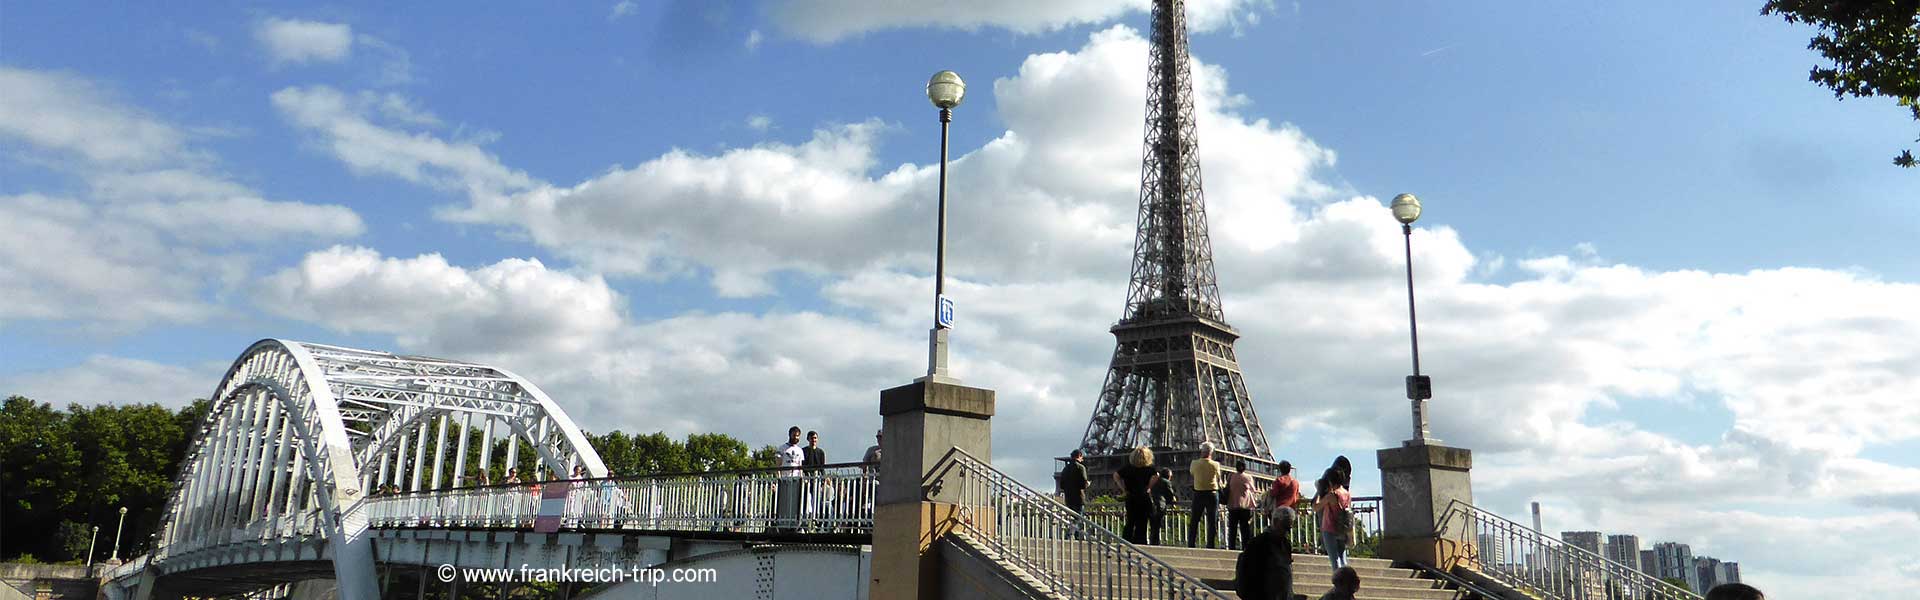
(1174, 381)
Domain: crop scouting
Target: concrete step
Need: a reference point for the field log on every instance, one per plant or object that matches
(1313, 587)
(1165, 552)
(1312, 574)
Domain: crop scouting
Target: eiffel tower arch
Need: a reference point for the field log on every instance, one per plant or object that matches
(1174, 381)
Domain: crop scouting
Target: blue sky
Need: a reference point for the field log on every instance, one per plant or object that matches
(1651, 250)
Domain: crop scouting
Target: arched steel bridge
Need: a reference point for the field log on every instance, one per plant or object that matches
(299, 434)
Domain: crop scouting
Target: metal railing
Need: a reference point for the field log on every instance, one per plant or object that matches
(1534, 562)
(1305, 533)
(1064, 551)
(825, 499)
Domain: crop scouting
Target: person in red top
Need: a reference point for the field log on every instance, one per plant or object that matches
(1336, 518)
(1283, 494)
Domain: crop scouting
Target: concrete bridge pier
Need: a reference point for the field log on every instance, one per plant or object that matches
(921, 422)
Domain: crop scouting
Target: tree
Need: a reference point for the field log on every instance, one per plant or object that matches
(62, 473)
(718, 452)
(37, 463)
(1874, 46)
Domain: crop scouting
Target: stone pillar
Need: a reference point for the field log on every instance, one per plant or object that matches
(920, 422)
(1418, 482)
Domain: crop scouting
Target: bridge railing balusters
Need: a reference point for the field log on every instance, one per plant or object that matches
(829, 499)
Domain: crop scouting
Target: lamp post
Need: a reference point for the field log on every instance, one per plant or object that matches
(946, 90)
(90, 542)
(1406, 209)
(116, 534)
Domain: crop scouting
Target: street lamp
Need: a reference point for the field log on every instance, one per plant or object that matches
(1406, 209)
(116, 533)
(90, 542)
(946, 90)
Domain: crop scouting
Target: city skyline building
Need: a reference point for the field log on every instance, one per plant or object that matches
(1624, 548)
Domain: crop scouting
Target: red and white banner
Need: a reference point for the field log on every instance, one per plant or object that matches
(553, 503)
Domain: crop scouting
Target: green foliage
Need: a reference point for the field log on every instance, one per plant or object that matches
(74, 538)
(1677, 582)
(63, 472)
(718, 452)
(634, 454)
(1874, 48)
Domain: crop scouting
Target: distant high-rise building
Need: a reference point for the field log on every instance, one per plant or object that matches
(1676, 561)
(1624, 549)
(1707, 569)
(1732, 572)
(1649, 563)
(1492, 551)
(1584, 540)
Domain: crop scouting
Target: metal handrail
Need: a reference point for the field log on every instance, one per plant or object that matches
(1305, 533)
(825, 499)
(1531, 561)
(1064, 551)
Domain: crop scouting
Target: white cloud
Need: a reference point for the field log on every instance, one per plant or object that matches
(66, 261)
(396, 64)
(292, 41)
(64, 113)
(428, 304)
(104, 379)
(760, 123)
(350, 134)
(830, 20)
(136, 248)
(622, 9)
(753, 39)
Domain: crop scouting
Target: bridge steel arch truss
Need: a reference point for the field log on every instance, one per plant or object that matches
(299, 434)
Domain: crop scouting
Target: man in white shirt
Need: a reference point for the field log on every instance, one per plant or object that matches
(788, 493)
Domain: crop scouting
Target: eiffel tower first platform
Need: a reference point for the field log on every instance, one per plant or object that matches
(1174, 382)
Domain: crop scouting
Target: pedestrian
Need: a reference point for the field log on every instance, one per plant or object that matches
(1239, 506)
(1283, 494)
(1264, 570)
(815, 455)
(1735, 591)
(1335, 510)
(787, 491)
(1073, 482)
(1163, 501)
(873, 452)
(1135, 480)
(513, 476)
(1206, 498)
(817, 502)
(1346, 584)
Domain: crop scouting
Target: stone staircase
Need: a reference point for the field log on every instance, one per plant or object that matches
(1312, 575)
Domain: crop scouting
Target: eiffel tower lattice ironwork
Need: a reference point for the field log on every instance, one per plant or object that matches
(1174, 381)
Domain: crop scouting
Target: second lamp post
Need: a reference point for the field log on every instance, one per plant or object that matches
(1406, 209)
(946, 90)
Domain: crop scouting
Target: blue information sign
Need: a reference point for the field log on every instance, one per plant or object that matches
(945, 318)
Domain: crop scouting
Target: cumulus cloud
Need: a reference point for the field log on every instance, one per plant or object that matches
(293, 41)
(143, 243)
(823, 21)
(428, 304)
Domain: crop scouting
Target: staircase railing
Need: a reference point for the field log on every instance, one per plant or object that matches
(1067, 553)
(1305, 533)
(1531, 561)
